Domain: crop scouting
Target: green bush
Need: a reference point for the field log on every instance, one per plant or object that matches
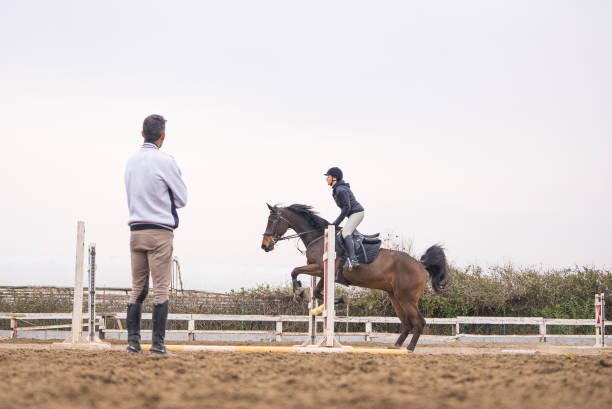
(471, 291)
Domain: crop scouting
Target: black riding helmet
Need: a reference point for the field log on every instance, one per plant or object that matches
(335, 173)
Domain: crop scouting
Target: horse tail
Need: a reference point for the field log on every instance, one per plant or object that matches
(434, 261)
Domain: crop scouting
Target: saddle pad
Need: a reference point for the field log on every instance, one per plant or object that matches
(365, 252)
(368, 252)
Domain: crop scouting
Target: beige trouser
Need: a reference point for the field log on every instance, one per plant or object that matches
(351, 223)
(151, 250)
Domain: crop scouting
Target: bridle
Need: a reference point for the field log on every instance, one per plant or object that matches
(274, 233)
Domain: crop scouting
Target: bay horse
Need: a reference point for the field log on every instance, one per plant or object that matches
(401, 276)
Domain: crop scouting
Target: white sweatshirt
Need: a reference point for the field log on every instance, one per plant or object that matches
(155, 189)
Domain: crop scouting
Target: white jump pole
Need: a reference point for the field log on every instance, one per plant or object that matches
(76, 339)
(600, 328)
(329, 265)
(77, 306)
(327, 309)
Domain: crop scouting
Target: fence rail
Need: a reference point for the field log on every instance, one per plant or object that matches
(368, 333)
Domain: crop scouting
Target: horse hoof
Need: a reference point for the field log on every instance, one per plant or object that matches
(341, 300)
(298, 295)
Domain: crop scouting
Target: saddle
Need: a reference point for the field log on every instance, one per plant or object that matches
(366, 247)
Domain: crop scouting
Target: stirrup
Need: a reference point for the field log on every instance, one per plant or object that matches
(352, 264)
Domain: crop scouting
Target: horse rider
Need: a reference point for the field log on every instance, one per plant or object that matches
(350, 207)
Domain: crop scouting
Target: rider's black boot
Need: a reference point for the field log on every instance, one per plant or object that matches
(160, 316)
(134, 313)
(350, 250)
(340, 277)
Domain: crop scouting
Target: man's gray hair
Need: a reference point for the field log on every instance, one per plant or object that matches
(152, 127)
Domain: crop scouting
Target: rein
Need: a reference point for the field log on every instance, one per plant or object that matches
(291, 236)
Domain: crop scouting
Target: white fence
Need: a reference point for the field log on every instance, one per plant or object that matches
(18, 320)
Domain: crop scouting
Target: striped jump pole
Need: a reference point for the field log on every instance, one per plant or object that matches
(329, 265)
(327, 309)
(600, 328)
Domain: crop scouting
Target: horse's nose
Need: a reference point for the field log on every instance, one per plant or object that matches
(263, 246)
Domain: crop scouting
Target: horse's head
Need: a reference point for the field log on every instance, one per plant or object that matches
(276, 227)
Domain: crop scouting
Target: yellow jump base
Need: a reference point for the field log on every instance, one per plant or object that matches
(284, 350)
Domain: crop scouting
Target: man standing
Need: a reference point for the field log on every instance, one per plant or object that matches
(155, 189)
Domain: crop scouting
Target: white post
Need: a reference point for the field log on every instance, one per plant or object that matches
(191, 329)
(543, 330)
(329, 263)
(77, 307)
(368, 331)
(14, 326)
(76, 339)
(600, 329)
(328, 309)
(279, 331)
(101, 327)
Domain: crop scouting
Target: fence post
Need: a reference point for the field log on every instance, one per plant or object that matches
(368, 331)
(279, 331)
(119, 324)
(543, 330)
(191, 329)
(101, 326)
(13, 328)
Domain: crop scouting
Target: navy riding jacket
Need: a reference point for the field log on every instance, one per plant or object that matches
(345, 199)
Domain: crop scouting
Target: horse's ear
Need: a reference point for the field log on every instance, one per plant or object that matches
(270, 207)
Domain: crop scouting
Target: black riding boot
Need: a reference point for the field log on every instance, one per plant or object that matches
(134, 313)
(160, 316)
(340, 277)
(350, 250)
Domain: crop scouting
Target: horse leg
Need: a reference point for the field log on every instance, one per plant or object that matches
(418, 323)
(317, 292)
(405, 328)
(401, 314)
(310, 269)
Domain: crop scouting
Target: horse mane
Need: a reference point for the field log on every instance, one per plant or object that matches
(309, 214)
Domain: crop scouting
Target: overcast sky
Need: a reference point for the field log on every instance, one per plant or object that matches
(483, 125)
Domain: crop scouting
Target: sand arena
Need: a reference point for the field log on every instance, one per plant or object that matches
(450, 376)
